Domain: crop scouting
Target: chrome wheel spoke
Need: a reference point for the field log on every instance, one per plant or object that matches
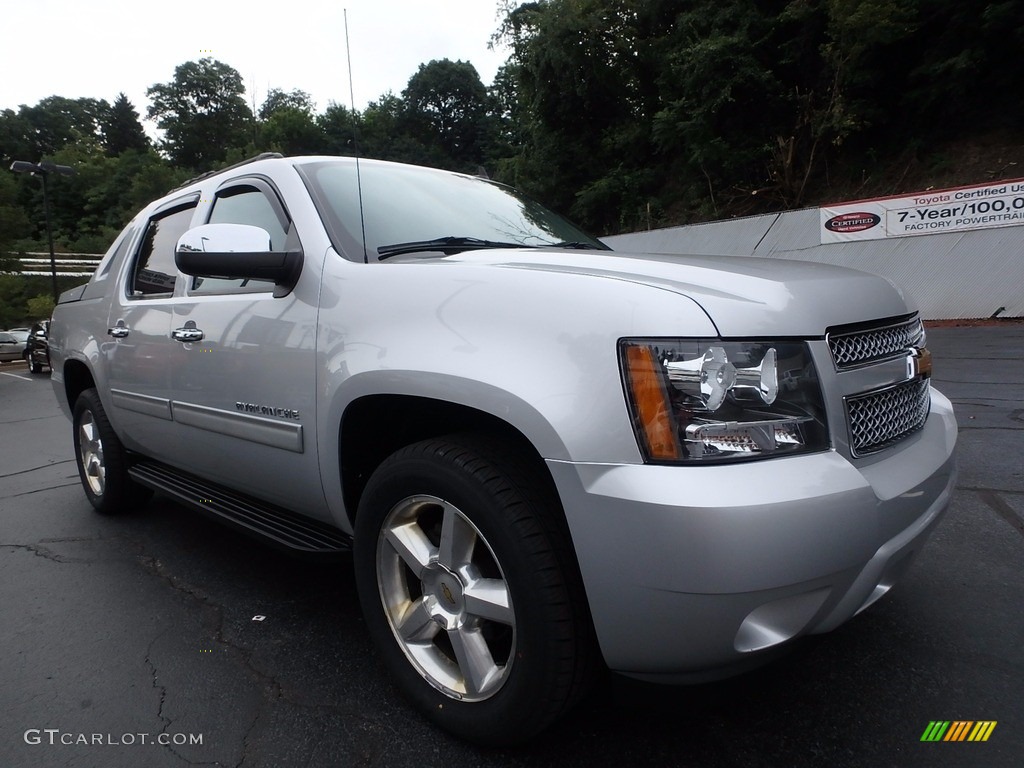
(458, 538)
(488, 599)
(411, 544)
(474, 658)
(417, 625)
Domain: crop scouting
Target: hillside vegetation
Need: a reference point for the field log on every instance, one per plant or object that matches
(624, 114)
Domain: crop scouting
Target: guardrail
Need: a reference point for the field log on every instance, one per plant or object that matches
(69, 264)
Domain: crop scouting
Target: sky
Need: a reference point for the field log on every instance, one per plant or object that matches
(98, 48)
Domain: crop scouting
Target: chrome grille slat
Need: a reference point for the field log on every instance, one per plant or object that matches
(879, 419)
(853, 348)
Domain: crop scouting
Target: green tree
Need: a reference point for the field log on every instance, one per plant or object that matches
(279, 99)
(338, 126)
(57, 121)
(202, 112)
(14, 223)
(122, 130)
(446, 107)
(715, 107)
(17, 290)
(386, 133)
(292, 131)
(580, 70)
(721, 98)
(962, 69)
(40, 306)
(15, 141)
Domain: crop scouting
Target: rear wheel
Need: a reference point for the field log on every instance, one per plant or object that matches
(33, 366)
(102, 460)
(469, 589)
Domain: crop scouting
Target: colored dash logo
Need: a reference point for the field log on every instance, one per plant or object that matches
(958, 730)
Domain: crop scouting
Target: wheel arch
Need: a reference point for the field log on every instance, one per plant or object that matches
(77, 379)
(375, 426)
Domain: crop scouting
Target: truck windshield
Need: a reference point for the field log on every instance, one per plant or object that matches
(406, 205)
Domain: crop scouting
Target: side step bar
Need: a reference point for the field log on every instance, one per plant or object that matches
(273, 524)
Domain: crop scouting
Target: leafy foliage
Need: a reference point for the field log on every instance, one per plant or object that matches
(446, 108)
(698, 108)
(122, 131)
(278, 99)
(27, 298)
(202, 112)
(623, 113)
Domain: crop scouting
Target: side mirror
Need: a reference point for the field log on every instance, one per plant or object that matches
(237, 252)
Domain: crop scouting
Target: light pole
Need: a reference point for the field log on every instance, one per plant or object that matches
(44, 169)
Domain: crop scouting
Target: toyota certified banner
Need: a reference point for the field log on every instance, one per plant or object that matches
(1000, 204)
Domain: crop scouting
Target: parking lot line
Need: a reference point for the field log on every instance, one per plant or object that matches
(16, 376)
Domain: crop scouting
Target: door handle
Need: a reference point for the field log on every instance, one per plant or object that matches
(188, 333)
(119, 331)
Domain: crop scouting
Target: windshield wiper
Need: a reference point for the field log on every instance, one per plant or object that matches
(576, 244)
(447, 245)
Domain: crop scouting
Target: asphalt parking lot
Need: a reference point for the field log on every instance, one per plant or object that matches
(142, 628)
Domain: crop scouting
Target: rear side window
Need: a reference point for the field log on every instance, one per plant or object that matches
(154, 272)
(115, 252)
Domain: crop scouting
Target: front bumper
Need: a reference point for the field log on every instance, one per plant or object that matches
(691, 571)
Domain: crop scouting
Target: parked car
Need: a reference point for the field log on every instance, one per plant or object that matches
(37, 351)
(545, 455)
(21, 334)
(11, 348)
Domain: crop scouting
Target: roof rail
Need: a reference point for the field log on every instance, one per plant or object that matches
(208, 174)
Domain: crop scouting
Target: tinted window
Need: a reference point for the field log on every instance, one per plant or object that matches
(115, 251)
(155, 270)
(247, 205)
(244, 205)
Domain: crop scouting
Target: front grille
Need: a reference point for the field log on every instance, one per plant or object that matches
(866, 345)
(879, 419)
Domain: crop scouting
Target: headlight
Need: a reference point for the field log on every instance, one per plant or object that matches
(712, 400)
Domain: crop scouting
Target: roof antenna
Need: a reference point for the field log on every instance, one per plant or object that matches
(355, 136)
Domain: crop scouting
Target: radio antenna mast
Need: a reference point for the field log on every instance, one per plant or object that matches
(355, 136)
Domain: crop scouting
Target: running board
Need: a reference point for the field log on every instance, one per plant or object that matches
(270, 523)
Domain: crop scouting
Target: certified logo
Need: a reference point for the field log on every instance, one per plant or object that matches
(846, 223)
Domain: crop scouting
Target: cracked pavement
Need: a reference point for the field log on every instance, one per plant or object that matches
(143, 625)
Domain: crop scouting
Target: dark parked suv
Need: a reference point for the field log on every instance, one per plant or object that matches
(37, 349)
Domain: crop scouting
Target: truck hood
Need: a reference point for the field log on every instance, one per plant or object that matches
(743, 296)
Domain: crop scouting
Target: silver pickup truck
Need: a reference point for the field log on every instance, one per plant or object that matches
(545, 457)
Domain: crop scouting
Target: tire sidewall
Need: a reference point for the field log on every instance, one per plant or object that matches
(86, 404)
(120, 493)
(507, 714)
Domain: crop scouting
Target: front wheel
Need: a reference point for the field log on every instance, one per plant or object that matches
(102, 460)
(469, 589)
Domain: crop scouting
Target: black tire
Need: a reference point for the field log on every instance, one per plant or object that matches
(33, 366)
(506, 522)
(102, 461)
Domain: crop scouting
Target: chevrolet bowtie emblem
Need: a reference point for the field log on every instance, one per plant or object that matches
(919, 363)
